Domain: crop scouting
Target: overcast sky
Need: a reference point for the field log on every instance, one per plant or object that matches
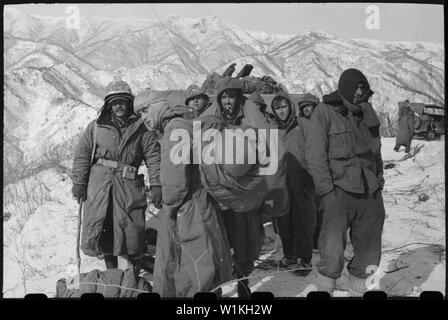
(398, 22)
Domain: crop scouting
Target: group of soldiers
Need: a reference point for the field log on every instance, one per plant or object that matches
(210, 227)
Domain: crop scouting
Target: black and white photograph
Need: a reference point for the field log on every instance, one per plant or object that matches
(231, 148)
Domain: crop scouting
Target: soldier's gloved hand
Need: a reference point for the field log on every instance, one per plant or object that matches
(79, 192)
(157, 196)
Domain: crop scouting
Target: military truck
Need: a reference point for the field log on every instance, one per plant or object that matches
(429, 120)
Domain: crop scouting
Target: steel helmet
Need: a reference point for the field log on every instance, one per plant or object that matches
(118, 90)
(194, 91)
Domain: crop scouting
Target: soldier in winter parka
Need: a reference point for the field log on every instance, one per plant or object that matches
(343, 152)
(197, 99)
(105, 166)
(405, 127)
(192, 253)
(307, 103)
(296, 228)
(244, 229)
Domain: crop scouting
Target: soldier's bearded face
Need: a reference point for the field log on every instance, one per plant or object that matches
(229, 103)
(120, 108)
(282, 109)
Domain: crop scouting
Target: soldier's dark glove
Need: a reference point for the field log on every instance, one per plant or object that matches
(79, 192)
(157, 196)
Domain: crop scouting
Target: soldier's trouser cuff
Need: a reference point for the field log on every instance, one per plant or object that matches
(325, 283)
(243, 269)
(357, 285)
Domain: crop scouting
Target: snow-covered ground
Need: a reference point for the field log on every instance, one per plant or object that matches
(413, 235)
(39, 237)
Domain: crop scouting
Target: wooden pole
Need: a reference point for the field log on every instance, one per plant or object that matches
(78, 255)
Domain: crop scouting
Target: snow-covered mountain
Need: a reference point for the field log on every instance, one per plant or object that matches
(54, 77)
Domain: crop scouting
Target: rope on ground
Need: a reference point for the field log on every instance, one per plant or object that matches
(412, 243)
(396, 269)
(395, 283)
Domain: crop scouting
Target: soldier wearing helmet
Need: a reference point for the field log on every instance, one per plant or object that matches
(105, 176)
(197, 99)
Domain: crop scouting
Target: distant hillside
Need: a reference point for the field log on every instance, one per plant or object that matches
(54, 77)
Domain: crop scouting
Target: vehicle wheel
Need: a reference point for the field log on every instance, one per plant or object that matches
(430, 135)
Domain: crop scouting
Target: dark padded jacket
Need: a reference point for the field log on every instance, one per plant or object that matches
(332, 156)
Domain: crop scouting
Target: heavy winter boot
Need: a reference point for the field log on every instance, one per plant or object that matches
(111, 261)
(304, 267)
(243, 289)
(357, 286)
(288, 263)
(325, 284)
(145, 262)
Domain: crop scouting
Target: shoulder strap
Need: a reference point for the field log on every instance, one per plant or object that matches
(94, 143)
